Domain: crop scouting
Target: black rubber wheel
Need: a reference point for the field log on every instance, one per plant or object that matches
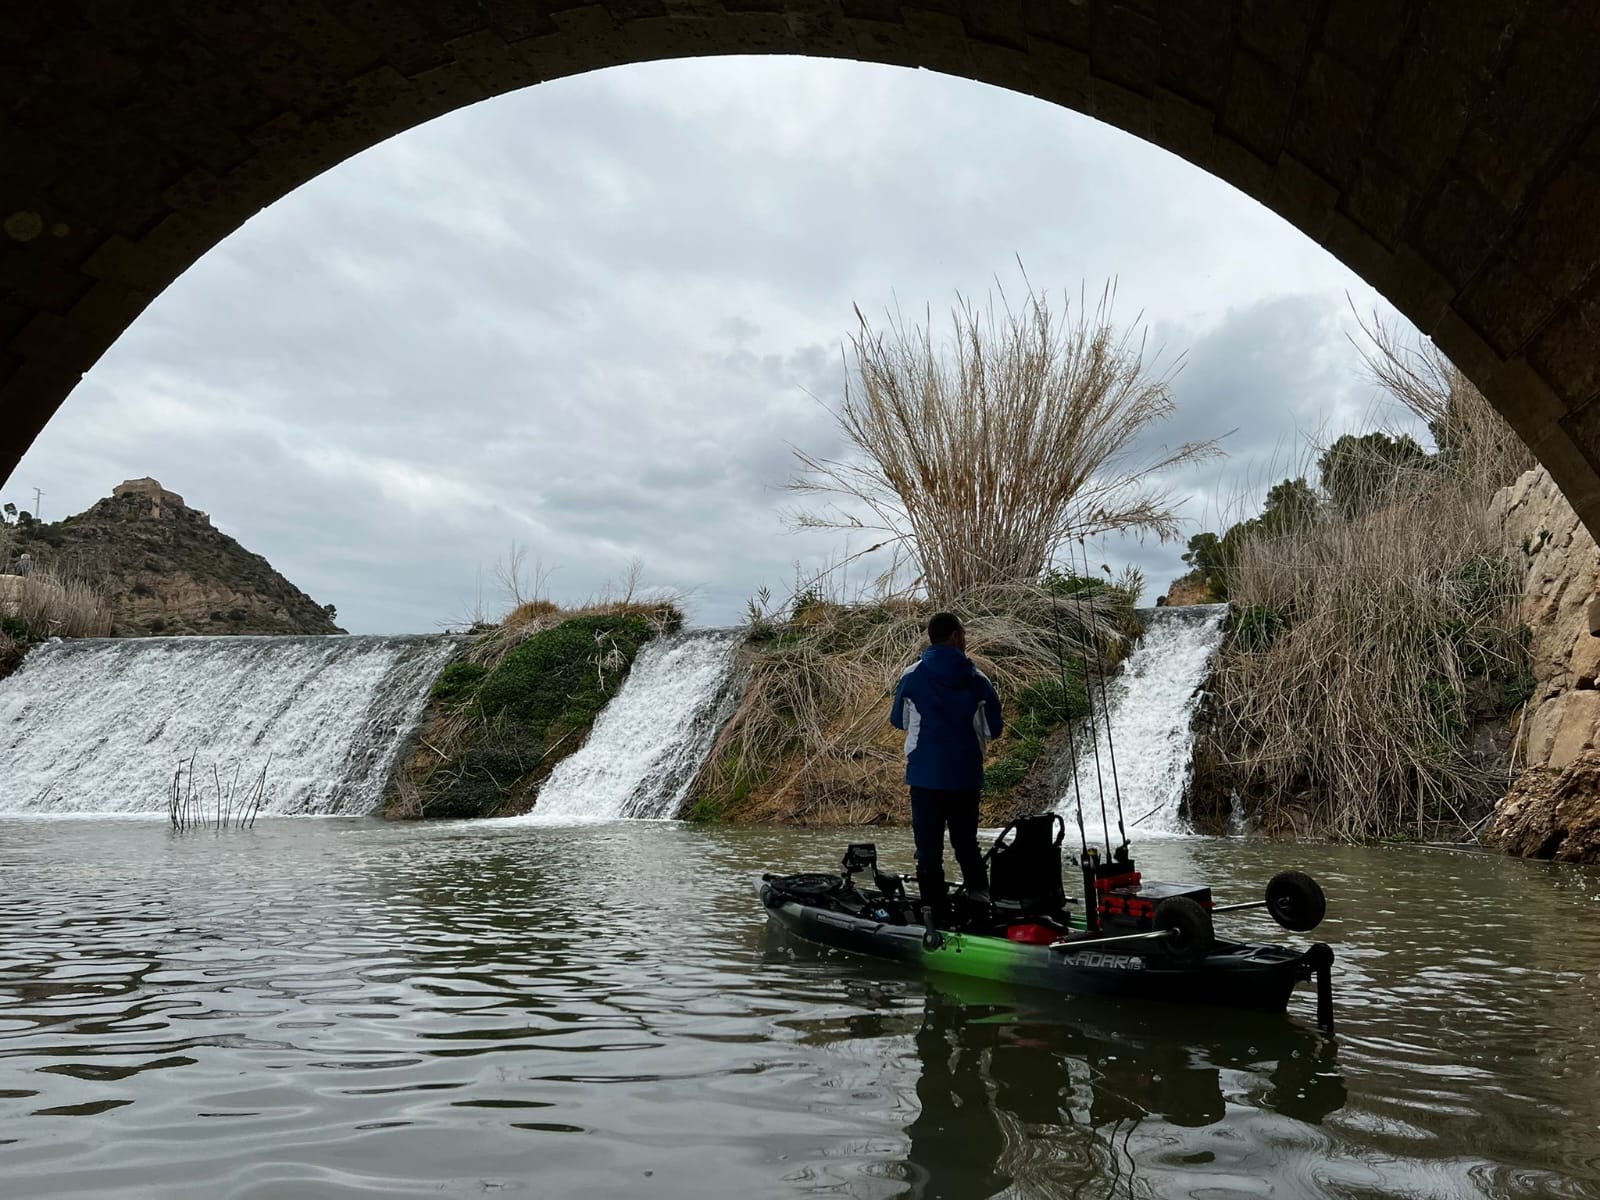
(817, 889)
(1192, 936)
(1296, 901)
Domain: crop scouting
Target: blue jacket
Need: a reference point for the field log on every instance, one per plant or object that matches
(949, 711)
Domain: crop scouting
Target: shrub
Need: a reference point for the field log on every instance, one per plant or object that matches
(1344, 678)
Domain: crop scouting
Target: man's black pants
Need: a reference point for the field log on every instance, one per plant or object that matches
(932, 811)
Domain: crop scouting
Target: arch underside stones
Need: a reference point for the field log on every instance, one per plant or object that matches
(1446, 150)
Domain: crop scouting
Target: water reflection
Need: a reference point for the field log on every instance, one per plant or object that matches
(1031, 1094)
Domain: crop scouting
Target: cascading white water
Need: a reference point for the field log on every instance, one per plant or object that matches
(102, 725)
(648, 744)
(1151, 704)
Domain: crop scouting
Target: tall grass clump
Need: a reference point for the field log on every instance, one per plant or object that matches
(45, 604)
(1374, 628)
(53, 605)
(978, 457)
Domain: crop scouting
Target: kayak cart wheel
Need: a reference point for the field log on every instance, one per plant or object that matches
(1190, 935)
(816, 889)
(1296, 901)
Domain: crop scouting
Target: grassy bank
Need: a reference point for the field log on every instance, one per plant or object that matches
(810, 743)
(520, 700)
(43, 605)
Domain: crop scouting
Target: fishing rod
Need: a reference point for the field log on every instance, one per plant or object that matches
(1088, 696)
(1111, 747)
(1066, 712)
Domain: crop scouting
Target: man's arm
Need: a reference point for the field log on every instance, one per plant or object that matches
(991, 707)
(897, 714)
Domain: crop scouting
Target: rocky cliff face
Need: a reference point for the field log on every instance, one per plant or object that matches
(1553, 811)
(1563, 717)
(165, 569)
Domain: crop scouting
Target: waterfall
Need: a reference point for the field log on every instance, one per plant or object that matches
(1151, 704)
(649, 743)
(101, 725)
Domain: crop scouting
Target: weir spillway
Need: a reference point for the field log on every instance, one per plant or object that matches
(102, 725)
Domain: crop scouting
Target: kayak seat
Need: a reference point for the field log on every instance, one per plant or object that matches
(1025, 866)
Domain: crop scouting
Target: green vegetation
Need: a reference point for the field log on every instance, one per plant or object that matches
(458, 682)
(523, 699)
(42, 604)
(1041, 709)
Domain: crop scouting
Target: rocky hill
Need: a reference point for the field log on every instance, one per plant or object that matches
(165, 569)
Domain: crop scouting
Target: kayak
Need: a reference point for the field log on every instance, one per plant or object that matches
(1139, 940)
(1233, 975)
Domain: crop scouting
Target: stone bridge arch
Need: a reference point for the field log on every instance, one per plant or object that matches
(1445, 150)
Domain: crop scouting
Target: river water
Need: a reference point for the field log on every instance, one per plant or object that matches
(345, 1008)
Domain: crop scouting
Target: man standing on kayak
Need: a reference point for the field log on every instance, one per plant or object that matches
(949, 711)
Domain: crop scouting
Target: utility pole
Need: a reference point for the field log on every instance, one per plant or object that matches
(36, 495)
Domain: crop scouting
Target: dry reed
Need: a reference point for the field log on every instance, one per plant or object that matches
(979, 459)
(232, 802)
(1371, 637)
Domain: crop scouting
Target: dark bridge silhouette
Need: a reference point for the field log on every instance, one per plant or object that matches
(1446, 150)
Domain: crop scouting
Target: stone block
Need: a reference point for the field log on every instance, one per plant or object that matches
(1195, 51)
(1332, 112)
(1277, 32)
(1126, 48)
(1257, 104)
(1583, 658)
(1379, 199)
(1567, 350)
(1506, 304)
(1577, 727)
(1559, 239)
(1422, 120)
(1365, 33)
(1456, 229)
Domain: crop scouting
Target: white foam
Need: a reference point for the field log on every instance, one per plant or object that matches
(1151, 703)
(100, 726)
(648, 744)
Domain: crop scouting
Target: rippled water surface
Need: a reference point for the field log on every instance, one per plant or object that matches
(343, 1008)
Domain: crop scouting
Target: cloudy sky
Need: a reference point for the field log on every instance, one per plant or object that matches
(591, 318)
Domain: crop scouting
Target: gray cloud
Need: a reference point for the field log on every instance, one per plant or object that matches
(592, 318)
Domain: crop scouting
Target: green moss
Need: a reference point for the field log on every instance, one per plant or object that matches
(741, 781)
(457, 682)
(567, 672)
(532, 710)
(1516, 690)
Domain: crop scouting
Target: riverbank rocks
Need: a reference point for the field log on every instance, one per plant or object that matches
(1563, 578)
(1552, 814)
(1553, 810)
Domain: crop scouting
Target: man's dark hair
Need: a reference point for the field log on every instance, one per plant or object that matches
(941, 626)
